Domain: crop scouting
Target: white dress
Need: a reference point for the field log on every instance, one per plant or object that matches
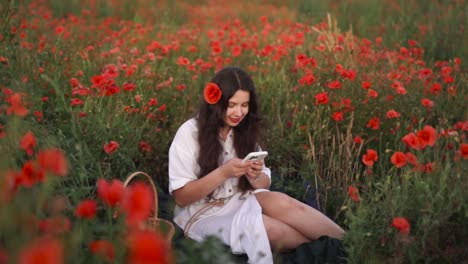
(237, 221)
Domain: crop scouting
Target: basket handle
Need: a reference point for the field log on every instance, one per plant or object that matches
(153, 187)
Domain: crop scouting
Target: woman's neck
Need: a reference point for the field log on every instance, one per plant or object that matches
(224, 131)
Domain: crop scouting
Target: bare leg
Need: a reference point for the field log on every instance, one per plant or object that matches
(282, 236)
(309, 222)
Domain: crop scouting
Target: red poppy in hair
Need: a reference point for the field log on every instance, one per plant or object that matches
(212, 93)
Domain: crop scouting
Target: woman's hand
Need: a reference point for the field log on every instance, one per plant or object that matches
(255, 168)
(235, 168)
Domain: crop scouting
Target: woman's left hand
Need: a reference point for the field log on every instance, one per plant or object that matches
(255, 169)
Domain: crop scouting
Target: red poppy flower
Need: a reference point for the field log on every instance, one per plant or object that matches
(16, 106)
(427, 135)
(86, 209)
(353, 193)
(212, 93)
(3, 256)
(321, 98)
(336, 84)
(393, 114)
(357, 140)
(373, 123)
(111, 193)
(337, 116)
(398, 159)
(147, 247)
(28, 143)
(103, 248)
(111, 147)
(144, 146)
(401, 224)
(53, 160)
(55, 225)
(30, 174)
(45, 250)
(464, 150)
(137, 203)
(370, 157)
(413, 141)
(411, 158)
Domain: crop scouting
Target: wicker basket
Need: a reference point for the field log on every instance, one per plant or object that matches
(165, 227)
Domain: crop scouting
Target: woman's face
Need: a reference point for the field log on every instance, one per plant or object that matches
(238, 107)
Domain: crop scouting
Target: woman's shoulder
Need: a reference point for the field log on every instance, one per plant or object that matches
(189, 125)
(188, 128)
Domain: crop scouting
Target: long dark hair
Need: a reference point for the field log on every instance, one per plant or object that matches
(247, 134)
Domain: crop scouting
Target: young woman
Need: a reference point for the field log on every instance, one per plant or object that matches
(217, 194)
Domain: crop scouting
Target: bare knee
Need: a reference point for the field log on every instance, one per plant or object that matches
(280, 202)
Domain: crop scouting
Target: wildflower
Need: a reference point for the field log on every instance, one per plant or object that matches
(111, 147)
(30, 174)
(353, 193)
(110, 192)
(337, 116)
(55, 225)
(103, 248)
(398, 159)
(53, 160)
(321, 98)
(393, 114)
(336, 84)
(147, 247)
(16, 106)
(372, 93)
(129, 86)
(144, 146)
(86, 209)
(427, 135)
(42, 251)
(401, 224)
(366, 85)
(357, 140)
(413, 141)
(370, 157)
(411, 158)
(427, 103)
(373, 123)
(464, 150)
(28, 143)
(76, 101)
(137, 203)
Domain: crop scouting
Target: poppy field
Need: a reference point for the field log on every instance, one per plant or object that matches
(365, 104)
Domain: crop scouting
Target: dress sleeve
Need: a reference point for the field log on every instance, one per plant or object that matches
(182, 157)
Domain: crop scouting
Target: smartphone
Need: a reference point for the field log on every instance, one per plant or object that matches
(258, 155)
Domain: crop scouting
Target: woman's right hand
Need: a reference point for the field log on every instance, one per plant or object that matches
(235, 168)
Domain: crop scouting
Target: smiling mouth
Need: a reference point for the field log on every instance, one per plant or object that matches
(235, 120)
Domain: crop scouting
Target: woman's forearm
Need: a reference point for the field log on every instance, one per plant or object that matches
(198, 189)
(260, 182)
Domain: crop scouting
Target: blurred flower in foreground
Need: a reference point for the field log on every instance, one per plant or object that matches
(28, 143)
(464, 150)
(16, 106)
(53, 160)
(147, 246)
(103, 248)
(110, 192)
(137, 203)
(86, 209)
(42, 251)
